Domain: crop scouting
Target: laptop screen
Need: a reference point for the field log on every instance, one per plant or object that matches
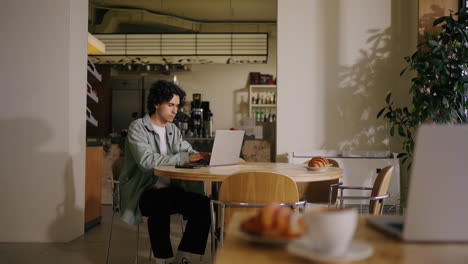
(438, 182)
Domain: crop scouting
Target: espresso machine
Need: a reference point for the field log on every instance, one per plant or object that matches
(196, 116)
(201, 118)
(208, 120)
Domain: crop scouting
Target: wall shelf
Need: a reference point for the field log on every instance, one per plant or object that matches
(256, 90)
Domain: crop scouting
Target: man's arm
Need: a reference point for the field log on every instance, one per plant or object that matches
(144, 155)
(187, 147)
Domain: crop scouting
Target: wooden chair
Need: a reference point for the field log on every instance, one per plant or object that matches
(317, 192)
(251, 189)
(379, 192)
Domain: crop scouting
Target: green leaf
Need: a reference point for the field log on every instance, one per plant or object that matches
(433, 43)
(426, 35)
(392, 131)
(402, 155)
(401, 132)
(387, 99)
(380, 112)
(439, 20)
(404, 160)
(403, 71)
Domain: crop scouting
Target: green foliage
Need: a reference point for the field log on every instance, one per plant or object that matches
(439, 92)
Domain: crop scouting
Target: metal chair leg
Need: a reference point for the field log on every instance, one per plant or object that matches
(213, 228)
(137, 243)
(341, 200)
(110, 237)
(221, 221)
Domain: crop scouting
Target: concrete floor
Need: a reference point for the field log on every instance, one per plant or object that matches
(91, 247)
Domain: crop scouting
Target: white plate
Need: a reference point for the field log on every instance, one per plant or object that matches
(261, 240)
(357, 250)
(317, 168)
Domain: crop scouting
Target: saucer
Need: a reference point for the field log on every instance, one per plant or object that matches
(357, 250)
(261, 240)
(316, 168)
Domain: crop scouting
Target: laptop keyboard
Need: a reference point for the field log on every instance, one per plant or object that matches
(398, 226)
(200, 162)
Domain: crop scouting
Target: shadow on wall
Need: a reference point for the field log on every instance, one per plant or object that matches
(66, 212)
(358, 86)
(357, 92)
(37, 182)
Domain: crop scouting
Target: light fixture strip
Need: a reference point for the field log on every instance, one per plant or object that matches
(200, 44)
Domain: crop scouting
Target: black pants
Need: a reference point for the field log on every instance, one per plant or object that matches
(159, 204)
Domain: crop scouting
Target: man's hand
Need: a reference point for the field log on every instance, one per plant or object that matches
(199, 156)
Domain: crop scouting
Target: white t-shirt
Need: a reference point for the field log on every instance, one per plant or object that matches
(162, 181)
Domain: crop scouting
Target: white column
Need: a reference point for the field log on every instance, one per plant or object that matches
(42, 120)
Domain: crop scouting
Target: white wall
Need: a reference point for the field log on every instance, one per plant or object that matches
(224, 85)
(42, 120)
(337, 59)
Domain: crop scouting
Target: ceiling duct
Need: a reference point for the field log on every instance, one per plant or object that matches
(198, 48)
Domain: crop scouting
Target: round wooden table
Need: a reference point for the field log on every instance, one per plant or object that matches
(298, 172)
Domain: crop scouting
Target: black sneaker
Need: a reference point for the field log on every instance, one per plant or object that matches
(183, 261)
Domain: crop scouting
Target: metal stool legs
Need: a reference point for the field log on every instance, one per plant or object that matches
(110, 237)
(137, 237)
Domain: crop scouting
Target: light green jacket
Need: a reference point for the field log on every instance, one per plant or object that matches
(142, 155)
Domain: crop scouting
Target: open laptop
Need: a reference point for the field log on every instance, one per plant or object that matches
(436, 208)
(226, 148)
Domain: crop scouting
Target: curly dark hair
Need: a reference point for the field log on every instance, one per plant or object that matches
(163, 91)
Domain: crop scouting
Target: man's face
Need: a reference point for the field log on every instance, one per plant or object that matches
(168, 110)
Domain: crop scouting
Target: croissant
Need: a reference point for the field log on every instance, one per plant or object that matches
(274, 221)
(318, 161)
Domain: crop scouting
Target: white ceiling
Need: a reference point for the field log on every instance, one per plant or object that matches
(201, 10)
(183, 16)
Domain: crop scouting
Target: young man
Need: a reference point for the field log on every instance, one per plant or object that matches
(151, 141)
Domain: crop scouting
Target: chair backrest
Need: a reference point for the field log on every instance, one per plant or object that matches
(380, 187)
(257, 187)
(318, 192)
(334, 163)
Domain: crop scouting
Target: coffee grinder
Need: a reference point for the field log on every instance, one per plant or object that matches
(196, 116)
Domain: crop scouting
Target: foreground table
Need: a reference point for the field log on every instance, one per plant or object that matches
(297, 172)
(386, 249)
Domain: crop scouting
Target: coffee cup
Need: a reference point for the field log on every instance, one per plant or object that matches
(330, 230)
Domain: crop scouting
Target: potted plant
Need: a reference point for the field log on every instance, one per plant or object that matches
(439, 91)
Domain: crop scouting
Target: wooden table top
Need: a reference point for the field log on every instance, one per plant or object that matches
(297, 172)
(386, 249)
